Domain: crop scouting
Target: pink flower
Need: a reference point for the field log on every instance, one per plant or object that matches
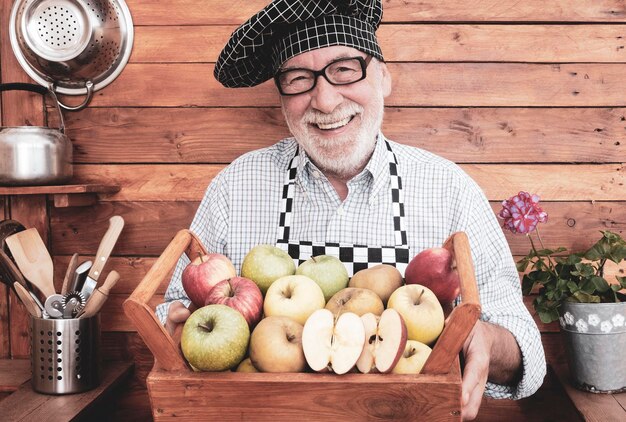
(521, 213)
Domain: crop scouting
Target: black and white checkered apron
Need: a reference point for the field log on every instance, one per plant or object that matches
(354, 257)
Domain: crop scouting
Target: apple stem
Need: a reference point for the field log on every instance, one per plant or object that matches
(208, 326)
(419, 297)
(200, 255)
(313, 259)
(230, 289)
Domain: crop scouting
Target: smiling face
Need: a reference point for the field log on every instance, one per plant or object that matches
(337, 125)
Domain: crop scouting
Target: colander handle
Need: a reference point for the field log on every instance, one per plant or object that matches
(37, 89)
(88, 87)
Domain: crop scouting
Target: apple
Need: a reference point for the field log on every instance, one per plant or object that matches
(385, 339)
(327, 271)
(276, 345)
(435, 268)
(293, 296)
(246, 366)
(204, 272)
(333, 344)
(264, 264)
(356, 300)
(215, 338)
(413, 358)
(421, 311)
(382, 279)
(240, 294)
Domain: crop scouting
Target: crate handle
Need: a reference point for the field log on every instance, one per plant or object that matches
(165, 350)
(463, 317)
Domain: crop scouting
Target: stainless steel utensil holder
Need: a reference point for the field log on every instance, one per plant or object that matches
(65, 356)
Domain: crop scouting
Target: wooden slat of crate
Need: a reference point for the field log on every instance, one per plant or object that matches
(289, 397)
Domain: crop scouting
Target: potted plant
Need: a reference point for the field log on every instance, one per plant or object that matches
(573, 290)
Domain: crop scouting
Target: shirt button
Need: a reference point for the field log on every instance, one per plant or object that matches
(316, 174)
(340, 211)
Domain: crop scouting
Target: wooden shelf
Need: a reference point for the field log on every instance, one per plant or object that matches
(75, 195)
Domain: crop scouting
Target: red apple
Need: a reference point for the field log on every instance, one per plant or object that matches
(241, 294)
(203, 273)
(435, 268)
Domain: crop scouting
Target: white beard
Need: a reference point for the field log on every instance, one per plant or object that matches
(343, 156)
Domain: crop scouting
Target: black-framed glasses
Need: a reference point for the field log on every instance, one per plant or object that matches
(338, 72)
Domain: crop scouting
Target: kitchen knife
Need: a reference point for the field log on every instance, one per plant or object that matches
(79, 276)
(116, 224)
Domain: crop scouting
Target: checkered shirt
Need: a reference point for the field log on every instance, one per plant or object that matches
(241, 209)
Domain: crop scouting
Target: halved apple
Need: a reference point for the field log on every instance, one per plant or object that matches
(385, 339)
(332, 343)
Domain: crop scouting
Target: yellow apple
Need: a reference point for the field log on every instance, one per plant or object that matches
(293, 296)
(276, 345)
(246, 366)
(421, 310)
(413, 359)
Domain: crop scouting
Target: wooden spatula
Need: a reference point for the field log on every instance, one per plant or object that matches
(33, 259)
(27, 300)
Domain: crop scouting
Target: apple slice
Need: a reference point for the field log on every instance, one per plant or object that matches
(331, 343)
(385, 340)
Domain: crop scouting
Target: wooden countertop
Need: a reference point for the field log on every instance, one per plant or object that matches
(24, 404)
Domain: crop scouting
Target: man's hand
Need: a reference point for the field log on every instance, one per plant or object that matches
(176, 317)
(491, 353)
(477, 354)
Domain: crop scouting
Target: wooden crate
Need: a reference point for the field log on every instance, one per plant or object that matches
(178, 392)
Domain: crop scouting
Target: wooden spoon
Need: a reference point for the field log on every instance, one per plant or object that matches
(71, 267)
(33, 259)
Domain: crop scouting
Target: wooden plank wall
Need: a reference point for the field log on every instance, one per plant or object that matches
(524, 95)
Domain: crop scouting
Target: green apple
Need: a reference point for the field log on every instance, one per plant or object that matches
(293, 296)
(215, 338)
(327, 271)
(382, 279)
(356, 300)
(276, 345)
(413, 359)
(421, 311)
(264, 264)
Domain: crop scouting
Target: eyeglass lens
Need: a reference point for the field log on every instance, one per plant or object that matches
(338, 72)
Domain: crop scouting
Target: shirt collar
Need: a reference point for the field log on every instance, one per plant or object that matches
(377, 167)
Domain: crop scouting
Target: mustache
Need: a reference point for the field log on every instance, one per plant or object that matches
(342, 112)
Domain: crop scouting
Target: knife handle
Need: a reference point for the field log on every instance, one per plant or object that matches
(100, 295)
(116, 224)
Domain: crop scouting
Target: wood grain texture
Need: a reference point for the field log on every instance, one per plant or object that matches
(235, 12)
(485, 135)
(150, 225)
(439, 84)
(319, 397)
(553, 182)
(424, 42)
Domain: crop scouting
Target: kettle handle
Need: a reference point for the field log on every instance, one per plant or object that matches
(37, 89)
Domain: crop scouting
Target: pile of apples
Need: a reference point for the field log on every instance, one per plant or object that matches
(275, 317)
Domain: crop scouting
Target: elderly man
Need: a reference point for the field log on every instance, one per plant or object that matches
(338, 183)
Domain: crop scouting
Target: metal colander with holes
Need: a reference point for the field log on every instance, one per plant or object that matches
(74, 46)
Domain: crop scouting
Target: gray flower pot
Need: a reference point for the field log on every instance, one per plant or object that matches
(595, 341)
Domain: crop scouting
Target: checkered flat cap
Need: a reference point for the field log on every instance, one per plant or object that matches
(286, 28)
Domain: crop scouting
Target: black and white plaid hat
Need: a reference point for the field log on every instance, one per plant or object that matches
(286, 28)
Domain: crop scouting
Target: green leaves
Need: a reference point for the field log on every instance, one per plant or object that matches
(577, 277)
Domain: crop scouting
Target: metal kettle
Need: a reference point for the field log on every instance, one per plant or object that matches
(34, 155)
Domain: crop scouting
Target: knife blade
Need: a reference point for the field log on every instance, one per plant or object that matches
(116, 224)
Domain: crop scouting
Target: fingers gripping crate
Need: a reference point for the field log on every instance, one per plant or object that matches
(178, 392)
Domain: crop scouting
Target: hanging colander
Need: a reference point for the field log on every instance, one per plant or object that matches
(74, 47)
